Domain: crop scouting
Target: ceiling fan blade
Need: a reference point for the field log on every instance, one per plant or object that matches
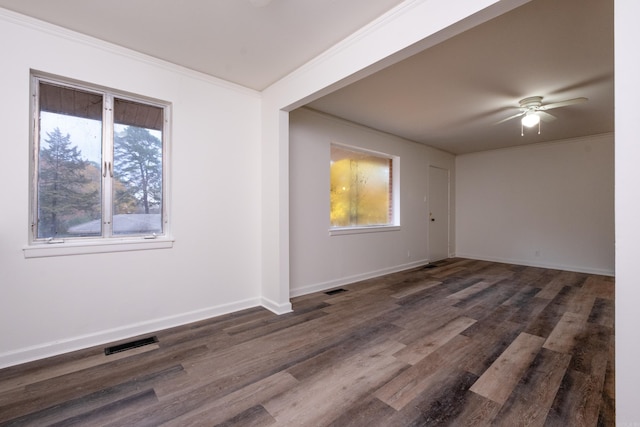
(563, 103)
(546, 117)
(510, 117)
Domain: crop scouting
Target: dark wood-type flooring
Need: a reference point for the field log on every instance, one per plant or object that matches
(464, 343)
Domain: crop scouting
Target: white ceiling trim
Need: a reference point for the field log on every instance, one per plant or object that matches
(597, 138)
(93, 42)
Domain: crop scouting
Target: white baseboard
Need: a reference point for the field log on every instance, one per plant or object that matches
(55, 348)
(529, 263)
(275, 307)
(323, 286)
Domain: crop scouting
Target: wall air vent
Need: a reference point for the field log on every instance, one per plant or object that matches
(130, 345)
(335, 291)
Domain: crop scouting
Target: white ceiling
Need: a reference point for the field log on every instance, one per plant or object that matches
(448, 96)
(250, 42)
(451, 95)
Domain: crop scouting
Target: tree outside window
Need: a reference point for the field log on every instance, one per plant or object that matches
(69, 187)
(90, 186)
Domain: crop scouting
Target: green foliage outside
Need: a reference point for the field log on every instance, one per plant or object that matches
(70, 188)
(138, 167)
(67, 190)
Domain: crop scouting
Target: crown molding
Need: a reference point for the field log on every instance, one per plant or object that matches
(95, 43)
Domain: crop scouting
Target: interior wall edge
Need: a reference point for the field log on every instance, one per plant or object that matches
(551, 266)
(56, 348)
(323, 286)
(599, 137)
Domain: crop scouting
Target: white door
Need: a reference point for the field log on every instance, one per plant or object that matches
(438, 213)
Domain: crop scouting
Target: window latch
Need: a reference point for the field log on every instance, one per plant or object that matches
(52, 241)
(107, 166)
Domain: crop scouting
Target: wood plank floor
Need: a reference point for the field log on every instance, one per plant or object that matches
(463, 343)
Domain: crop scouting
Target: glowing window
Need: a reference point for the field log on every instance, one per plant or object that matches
(361, 188)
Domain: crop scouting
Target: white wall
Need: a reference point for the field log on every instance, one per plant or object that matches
(627, 93)
(52, 305)
(548, 205)
(320, 261)
(356, 58)
(27, 299)
(410, 27)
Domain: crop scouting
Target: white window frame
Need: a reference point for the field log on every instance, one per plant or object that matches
(394, 224)
(37, 247)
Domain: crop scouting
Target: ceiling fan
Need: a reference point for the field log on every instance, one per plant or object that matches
(532, 111)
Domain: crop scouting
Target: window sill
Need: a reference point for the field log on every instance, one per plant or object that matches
(340, 231)
(95, 247)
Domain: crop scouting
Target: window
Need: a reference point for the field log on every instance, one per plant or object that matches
(98, 164)
(361, 188)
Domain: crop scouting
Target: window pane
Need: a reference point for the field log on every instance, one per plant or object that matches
(69, 187)
(360, 188)
(137, 167)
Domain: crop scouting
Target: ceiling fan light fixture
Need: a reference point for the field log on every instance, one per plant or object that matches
(530, 119)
